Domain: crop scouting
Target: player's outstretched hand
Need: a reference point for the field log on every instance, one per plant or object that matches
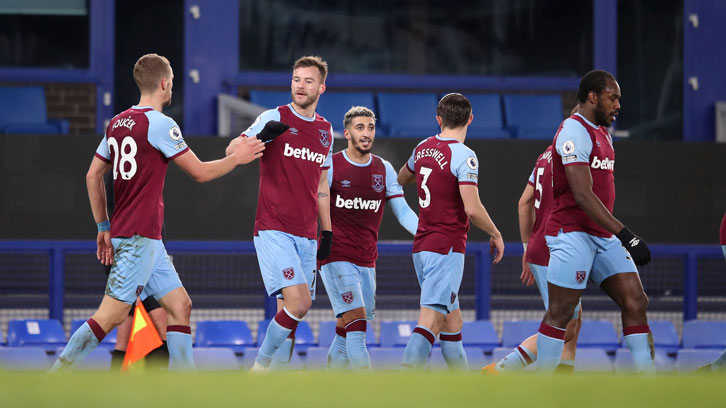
(496, 248)
(245, 149)
(272, 130)
(326, 242)
(104, 249)
(635, 245)
(527, 277)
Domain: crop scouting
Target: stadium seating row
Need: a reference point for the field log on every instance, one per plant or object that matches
(382, 358)
(413, 114)
(23, 110)
(48, 334)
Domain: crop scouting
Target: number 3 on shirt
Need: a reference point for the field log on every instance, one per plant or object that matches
(126, 157)
(426, 201)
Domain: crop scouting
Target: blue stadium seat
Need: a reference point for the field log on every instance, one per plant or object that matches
(488, 122)
(691, 359)
(316, 358)
(396, 333)
(270, 99)
(334, 105)
(533, 116)
(481, 334)
(704, 334)
(386, 358)
(624, 360)
(215, 359)
(99, 359)
(515, 332)
(593, 359)
(599, 334)
(665, 336)
(408, 115)
(108, 342)
(45, 333)
(24, 359)
(233, 334)
(474, 355)
(326, 333)
(304, 337)
(23, 110)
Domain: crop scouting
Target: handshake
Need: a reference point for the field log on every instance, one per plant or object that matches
(251, 148)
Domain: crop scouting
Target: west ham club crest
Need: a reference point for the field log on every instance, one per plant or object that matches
(324, 138)
(378, 185)
(347, 297)
(580, 276)
(288, 273)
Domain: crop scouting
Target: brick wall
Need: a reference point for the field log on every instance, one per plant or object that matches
(75, 102)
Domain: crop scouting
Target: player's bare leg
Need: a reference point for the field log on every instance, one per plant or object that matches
(423, 336)
(355, 325)
(178, 307)
(283, 355)
(297, 302)
(452, 346)
(572, 332)
(551, 334)
(110, 314)
(338, 351)
(627, 291)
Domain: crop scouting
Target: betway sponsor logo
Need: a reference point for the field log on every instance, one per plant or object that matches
(304, 153)
(604, 164)
(357, 204)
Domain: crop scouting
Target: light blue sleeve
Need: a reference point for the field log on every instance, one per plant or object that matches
(392, 187)
(404, 214)
(573, 143)
(464, 164)
(102, 149)
(411, 162)
(259, 123)
(329, 160)
(531, 176)
(330, 175)
(164, 134)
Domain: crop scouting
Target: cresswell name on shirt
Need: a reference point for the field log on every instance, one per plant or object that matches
(303, 153)
(435, 154)
(357, 203)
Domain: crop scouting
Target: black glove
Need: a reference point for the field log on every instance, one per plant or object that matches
(272, 130)
(326, 241)
(635, 246)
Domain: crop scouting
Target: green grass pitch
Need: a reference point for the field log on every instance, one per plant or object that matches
(349, 390)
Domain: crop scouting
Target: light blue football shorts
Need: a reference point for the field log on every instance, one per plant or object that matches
(440, 277)
(576, 256)
(540, 277)
(141, 267)
(349, 287)
(286, 260)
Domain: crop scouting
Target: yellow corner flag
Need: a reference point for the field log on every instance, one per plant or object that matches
(144, 337)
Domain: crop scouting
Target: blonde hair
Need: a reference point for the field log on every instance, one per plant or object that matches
(313, 61)
(149, 70)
